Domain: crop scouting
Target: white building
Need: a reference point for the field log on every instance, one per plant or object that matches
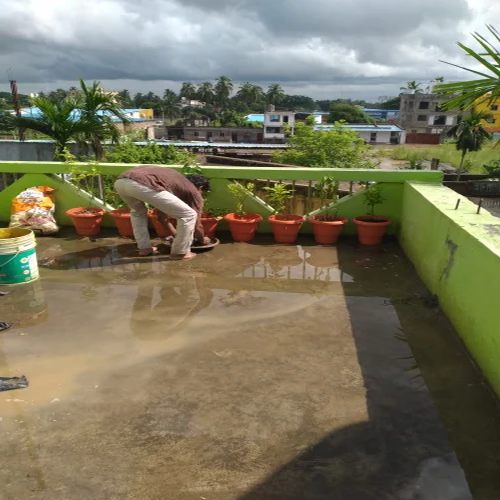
(276, 123)
(373, 134)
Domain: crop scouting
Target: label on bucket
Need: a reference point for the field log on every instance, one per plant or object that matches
(19, 267)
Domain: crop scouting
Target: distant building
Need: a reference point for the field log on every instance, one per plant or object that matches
(191, 103)
(132, 114)
(422, 114)
(373, 134)
(210, 134)
(276, 123)
(382, 114)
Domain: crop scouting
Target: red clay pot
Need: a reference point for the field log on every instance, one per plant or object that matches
(161, 230)
(243, 227)
(286, 227)
(87, 221)
(209, 224)
(371, 228)
(326, 232)
(121, 216)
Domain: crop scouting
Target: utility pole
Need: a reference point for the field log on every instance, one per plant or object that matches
(17, 108)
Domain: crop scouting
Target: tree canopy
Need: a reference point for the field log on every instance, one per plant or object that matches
(337, 148)
(348, 113)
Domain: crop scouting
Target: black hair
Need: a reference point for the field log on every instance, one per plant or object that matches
(200, 182)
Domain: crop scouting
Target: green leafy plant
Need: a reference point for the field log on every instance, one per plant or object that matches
(464, 94)
(239, 192)
(327, 190)
(492, 168)
(373, 196)
(86, 180)
(279, 195)
(189, 169)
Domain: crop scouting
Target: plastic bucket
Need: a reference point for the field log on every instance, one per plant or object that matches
(18, 262)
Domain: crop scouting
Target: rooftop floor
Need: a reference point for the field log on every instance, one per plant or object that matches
(252, 372)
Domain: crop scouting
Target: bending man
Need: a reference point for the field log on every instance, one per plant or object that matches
(173, 195)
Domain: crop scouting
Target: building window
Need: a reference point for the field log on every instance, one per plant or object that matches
(490, 119)
(275, 118)
(437, 107)
(421, 118)
(373, 136)
(273, 130)
(494, 107)
(423, 105)
(196, 134)
(439, 120)
(221, 134)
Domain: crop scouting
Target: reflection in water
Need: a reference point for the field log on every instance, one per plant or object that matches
(296, 263)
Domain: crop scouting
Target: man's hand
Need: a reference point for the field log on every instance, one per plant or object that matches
(206, 240)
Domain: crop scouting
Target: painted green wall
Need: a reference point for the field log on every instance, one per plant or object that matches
(457, 255)
(391, 183)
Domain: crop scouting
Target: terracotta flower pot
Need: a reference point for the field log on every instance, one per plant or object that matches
(286, 227)
(87, 221)
(161, 230)
(121, 216)
(243, 227)
(209, 224)
(326, 232)
(371, 228)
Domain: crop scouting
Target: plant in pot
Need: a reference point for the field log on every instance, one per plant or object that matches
(285, 226)
(371, 228)
(210, 218)
(327, 226)
(121, 214)
(242, 225)
(87, 220)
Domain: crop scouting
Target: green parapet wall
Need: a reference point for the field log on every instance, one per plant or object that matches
(67, 196)
(457, 255)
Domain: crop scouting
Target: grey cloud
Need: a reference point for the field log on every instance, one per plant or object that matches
(329, 42)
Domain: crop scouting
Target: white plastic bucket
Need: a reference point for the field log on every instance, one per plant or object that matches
(18, 262)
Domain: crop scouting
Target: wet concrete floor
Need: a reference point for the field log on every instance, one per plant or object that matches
(252, 372)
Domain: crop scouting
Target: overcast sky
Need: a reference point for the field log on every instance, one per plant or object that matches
(321, 48)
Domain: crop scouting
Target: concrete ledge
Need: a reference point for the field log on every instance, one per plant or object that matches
(457, 255)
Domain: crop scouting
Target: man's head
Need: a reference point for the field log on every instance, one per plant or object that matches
(200, 182)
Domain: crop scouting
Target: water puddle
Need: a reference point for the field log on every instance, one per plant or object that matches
(251, 369)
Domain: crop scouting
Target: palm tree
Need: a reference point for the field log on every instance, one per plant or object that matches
(275, 94)
(188, 90)
(58, 120)
(413, 87)
(469, 135)
(222, 90)
(98, 108)
(205, 92)
(170, 104)
(464, 94)
(251, 95)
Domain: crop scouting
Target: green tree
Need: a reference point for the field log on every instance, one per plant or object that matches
(251, 95)
(170, 104)
(412, 87)
(390, 103)
(469, 135)
(125, 99)
(188, 90)
(275, 94)
(298, 103)
(337, 148)
(98, 107)
(222, 91)
(58, 120)
(465, 93)
(205, 92)
(348, 113)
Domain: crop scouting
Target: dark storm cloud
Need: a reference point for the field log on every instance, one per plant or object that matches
(322, 41)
